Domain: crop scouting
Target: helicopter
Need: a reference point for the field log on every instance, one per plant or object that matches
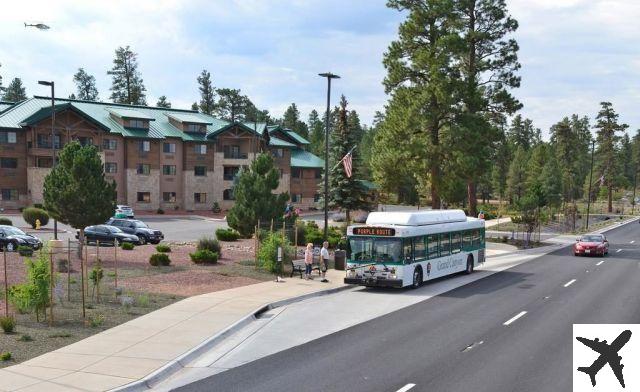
(40, 26)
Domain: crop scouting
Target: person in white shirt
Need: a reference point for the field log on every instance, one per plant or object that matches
(324, 255)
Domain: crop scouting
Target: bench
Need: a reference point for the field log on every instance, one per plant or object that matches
(298, 266)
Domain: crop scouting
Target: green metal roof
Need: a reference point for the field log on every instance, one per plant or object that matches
(368, 184)
(130, 113)
(305, 159)
(275, 142)
(4, 105)
(297, 137)
(190, 118)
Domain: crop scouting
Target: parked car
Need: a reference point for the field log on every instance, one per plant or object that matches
(591, 244)
(107, 234)
(12, 237)
(137, 228)
(126, 211)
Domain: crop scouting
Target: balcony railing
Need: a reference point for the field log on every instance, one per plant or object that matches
(229, 155)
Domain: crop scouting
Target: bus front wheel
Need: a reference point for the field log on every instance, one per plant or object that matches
(469, 265)
(417, 278)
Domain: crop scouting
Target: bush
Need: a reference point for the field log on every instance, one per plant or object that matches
(5, 356)
(24, 250)
(38, 205)
(34, 294)
(31, 214)
(163, 248)
(160, 211)
(211, 244)
(63, 265)
(216, 207)
(143, 300)
(25, 338)
(204, 256)
(227, 235)
(127, 246)
(96, 321)
(268, 254)
(157, 259)
(5, 221)
(8, 324)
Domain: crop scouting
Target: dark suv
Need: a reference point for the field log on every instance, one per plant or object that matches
(137, 228)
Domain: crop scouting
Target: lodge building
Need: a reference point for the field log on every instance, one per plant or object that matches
(158, 157)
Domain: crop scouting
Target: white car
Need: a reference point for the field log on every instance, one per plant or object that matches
(124, 210)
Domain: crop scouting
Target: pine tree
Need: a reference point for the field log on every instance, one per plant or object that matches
(517, 176)
(127, 85)
(345, 193)
(626, 160)
(207, 92)
(316, 133)
(523, 133)
(232, 105)
(606, 152)
(551, 181)
(537, 160)
(163, 103)
(291, 120)
(15, 91)
(86, 85)
(194, 106)
(500, 169)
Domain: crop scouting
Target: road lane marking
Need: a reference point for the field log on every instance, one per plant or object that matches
(406, 388)
(619, 250)
(569, 283)
(514, 318)
(632, 242)
(601, 261)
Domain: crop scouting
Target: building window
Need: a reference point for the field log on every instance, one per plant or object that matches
(230, 172)
(43, 162)
(135, 123)
(9, 194)
(233, 152)
(83, 140)
(296, 172)
(109, 144)
(201, 149)
(200, 171)
(195, 128)
(318, 173)
(7, 137)
(144, 168)
(44, 141)
(278, 153)
(200, 198)
(169, 197)
(144, 197)
(9, 163)
(110, 167)
(227, 194)
(296, 198)
(169, 170)
(169, 148)
(144, 146)
(316, 198)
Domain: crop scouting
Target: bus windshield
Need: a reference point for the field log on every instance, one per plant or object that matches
(378, 250)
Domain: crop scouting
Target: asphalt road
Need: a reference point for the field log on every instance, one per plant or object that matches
(458, 341)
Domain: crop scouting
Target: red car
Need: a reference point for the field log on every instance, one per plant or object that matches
(591, 244)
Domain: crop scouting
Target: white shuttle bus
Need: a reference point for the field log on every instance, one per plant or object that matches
(398, 249)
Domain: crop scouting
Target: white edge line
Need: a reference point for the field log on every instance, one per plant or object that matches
(619, 250)
(569, 283)
(632, 241)
(601, 261)
(514, 318)
(406, 388)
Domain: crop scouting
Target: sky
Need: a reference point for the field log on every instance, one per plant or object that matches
(574, 53)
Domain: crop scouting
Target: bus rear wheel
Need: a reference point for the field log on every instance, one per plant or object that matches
(469, 269)
(417, 278)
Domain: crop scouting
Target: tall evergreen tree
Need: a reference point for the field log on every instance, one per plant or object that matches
(291, 120)
(207, 92)
(500, 169)
(420, 74)
(194, 106)
(523, 133)
(537, 161)
(127, 85)
(627, 161)
(232, 105)
(517, 176)
(85, 85)
(316, 133)
(163, 102)
(488, 62)
(607, 127)
(15, 91)
(551, 181)
(346, 193)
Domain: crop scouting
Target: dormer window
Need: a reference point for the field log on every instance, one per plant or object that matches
(136, 123)
(195, 128)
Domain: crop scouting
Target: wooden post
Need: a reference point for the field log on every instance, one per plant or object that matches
(83, 268)
(51, 276)
(98, 268)
(6, 285)
(115, 260)
(284, 231)
(271, 229)
(69, 269)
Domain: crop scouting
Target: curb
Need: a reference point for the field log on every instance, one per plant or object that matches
(151, 380)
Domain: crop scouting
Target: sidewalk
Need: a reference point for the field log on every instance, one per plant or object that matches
(155, 342)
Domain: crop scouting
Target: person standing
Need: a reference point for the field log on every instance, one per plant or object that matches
(308, 261)
(324, 255)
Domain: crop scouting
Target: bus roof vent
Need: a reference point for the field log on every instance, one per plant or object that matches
(416, 218)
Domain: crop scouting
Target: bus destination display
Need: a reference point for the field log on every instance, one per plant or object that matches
(377, 231)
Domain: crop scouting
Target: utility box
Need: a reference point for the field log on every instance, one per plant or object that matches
(339, 258)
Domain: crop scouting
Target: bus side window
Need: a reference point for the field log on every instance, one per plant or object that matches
(432, 246)
(456, 242)
(407, 251)
(476, 238)
(482, 238)
(420, 248)
(445, 243)
(468, 240)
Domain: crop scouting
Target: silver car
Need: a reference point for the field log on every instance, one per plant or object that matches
(125, 211)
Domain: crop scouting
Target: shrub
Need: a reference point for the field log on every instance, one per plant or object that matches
(24, 250)
(143, 300)
(163, 248)
(227, 235)
(160, 211)
(211, 244)
(96, 321)
(5, 221)
(32, 214)
(268, 254)
(25, 338)
(204, 256)
(5, 356)
(63, 265)
(8, 324)
(127, 246)
(216, 207)
(96, 275)
(157, 259)
(34, 294)
(38, 205)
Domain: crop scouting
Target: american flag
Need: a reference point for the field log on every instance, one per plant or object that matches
(347, 162)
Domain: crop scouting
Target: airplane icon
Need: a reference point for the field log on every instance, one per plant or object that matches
(608, 354)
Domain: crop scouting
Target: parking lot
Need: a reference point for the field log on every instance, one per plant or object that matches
(174, 228)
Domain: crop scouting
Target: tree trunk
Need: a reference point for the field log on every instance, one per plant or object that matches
(347, 215)
(435, 196)
(471, 194)
(80, 243)
(610, 200)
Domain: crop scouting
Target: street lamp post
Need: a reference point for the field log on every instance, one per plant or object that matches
(53, 140)
(593, 146)
(329, 76)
